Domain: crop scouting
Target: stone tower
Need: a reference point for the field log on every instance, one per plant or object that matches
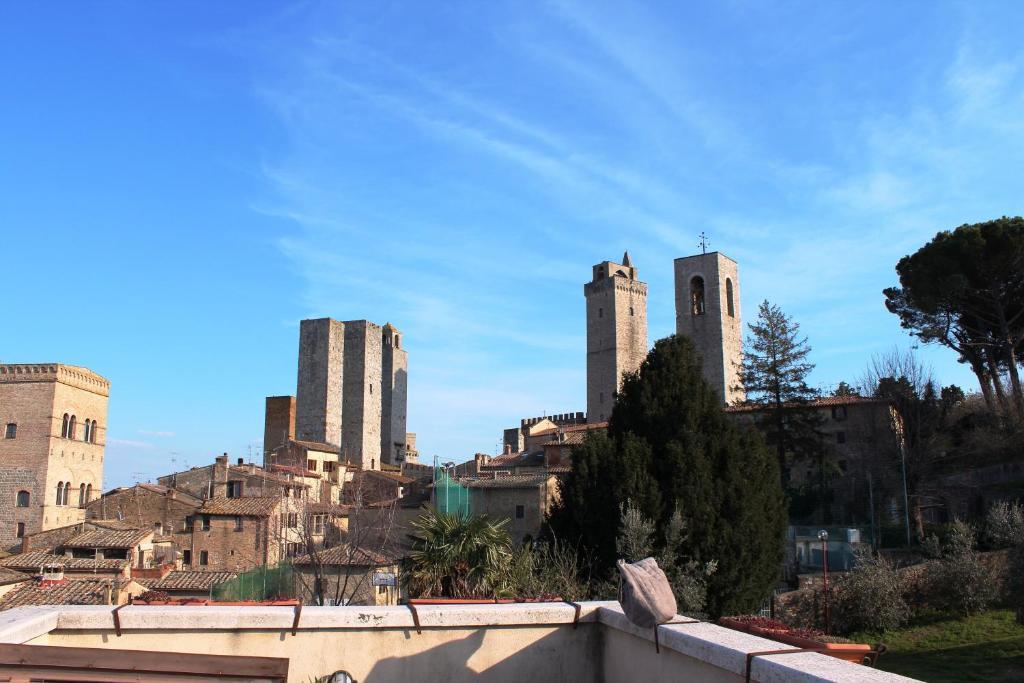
(616, 332)
(394, 391)
(708, 312)
(53, 434)
(318, 393)
(352, 390)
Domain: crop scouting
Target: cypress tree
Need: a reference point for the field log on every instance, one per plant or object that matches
(671, 446)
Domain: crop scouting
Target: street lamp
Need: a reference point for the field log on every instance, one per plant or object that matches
(823, 537)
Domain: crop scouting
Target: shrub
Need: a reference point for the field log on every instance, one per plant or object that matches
(1004, 524)
(959, 581)
(1015, 581)
(870, 596)
(458, 557)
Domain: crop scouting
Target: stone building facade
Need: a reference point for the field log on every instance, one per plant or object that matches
(53, 429)
(352, 390)
(616, 332)
(235, 534)
(525, 500)
(394, 396)
(279, 422)
(708, 312)
(146, 506)
(243, 480)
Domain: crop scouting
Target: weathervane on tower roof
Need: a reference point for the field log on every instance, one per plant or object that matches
(704, 242)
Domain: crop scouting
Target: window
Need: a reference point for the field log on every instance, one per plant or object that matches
(21, 529)
(92, 433)
(234, 489)
(60, 492)
(209, 491)
(238, 523)
(67, 492)
(204, 558)
(398, 343)
(186, 557)
(11, 431)
(520, 511)
(291, 520)
(206, 523)
(600, 312)
(730, 308)
(630, 310)
(371, 390)
(292, 549)
(318, 524)
(840, 437)
(88, 493)
(600, 397)
(88, 431)
(697, 295)
(72, 426)
(81, 496)
(311, 465)
(328, 466)
(158, 528)
(382, 590)
(838, 413)
(64, 427)
(23, 499)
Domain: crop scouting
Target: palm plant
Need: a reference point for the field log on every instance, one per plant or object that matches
(457, 556)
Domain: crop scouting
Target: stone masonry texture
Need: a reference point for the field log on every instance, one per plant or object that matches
(717, 333)
(279, 423)
(616, 332)
(318, 396)
(35, 397)
(394, 396)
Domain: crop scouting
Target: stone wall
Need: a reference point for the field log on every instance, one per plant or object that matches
(35, 398)
(717, 332)
(164, 513)
(394, 396)
(361, 398)
(230, 549)
(616, 333)
(318, 397)
(278, 423)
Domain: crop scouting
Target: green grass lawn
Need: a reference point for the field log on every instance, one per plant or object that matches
(985, 647)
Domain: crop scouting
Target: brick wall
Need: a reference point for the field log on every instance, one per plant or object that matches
(278, 423)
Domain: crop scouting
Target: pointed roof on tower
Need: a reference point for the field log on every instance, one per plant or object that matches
(626, 260)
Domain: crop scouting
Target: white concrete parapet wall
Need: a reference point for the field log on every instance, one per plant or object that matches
(532, 642)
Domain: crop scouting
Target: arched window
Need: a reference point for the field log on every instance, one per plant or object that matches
(60, 492)
(88, 431)
(398, 344)
(72, 425)
(81, 496)
(93, 432)
(23, 499)
(88, 493)
(67, 492)
(697, 295)
(64, 427)
(729, 306)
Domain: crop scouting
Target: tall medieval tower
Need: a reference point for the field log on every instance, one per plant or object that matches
(708, 312)
(616, 332)
(351, 391)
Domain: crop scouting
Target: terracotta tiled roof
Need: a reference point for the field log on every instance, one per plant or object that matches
(390, 476)
(296, 470)
(67, 592)
(318, 446)
(31, 562)
(328, 509)
(344, 555)
(190, 581)
(113, 524)
(253, 506)
(508, 481)
(9, 576)
(108, 539)
(560, 469)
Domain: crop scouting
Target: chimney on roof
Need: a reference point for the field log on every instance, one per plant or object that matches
(241, 461)
(222, 459)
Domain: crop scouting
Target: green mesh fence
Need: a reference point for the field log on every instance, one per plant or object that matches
(262, 583)
(450, 497)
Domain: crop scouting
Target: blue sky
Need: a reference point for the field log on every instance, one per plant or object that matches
(183, 182)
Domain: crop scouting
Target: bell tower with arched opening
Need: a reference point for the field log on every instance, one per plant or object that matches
(616, 332)
(708, 312)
